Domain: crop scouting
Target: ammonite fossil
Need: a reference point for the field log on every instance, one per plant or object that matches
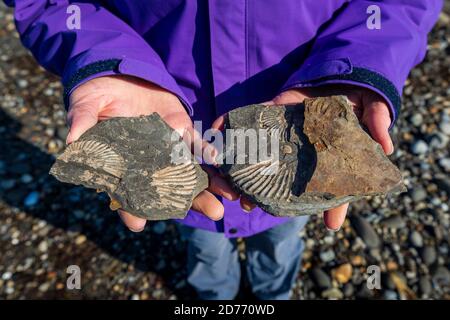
(304, 158)
(132, 160)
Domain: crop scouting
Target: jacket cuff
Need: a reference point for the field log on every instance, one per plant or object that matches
(74, 76)
(342, 71)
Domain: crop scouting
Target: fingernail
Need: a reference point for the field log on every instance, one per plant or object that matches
(246, 209)
(333, 230)
(136, 230)
(68, 138)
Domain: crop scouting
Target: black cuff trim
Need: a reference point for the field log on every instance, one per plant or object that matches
(371, 78)
(87, 71)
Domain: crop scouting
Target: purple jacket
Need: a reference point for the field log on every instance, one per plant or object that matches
(221, 54)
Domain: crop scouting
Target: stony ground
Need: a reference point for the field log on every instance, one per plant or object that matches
(46, 226)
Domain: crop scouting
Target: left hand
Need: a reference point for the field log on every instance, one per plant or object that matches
(371, 110)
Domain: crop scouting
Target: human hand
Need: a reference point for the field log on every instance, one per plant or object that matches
(369, 107)
(124, 96)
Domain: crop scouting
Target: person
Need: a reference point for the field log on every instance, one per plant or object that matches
(196, 60)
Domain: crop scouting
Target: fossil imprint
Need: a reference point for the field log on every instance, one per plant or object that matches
(324, 158)
(131, 160)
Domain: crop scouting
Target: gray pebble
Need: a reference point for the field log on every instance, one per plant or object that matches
(445, 127)
(425, 286)
(393, 222)
(333, 293)
(441, 276)
(417, 119)
(327, 255)
(439, 141)
(418, 194)
(365, 230)
(419, 147)
(429, 255)
(390, 295)
(416, 239)
(445, 163)
(320, 278)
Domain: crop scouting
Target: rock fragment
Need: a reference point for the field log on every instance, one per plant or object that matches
(305, 158)
(132, 159)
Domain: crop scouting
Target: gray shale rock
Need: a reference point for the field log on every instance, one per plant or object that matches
(132, 160)
(324, 158)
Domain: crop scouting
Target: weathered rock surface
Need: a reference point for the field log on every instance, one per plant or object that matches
(131, 159)
(324, 157)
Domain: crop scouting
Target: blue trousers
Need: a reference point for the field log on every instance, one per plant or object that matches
(272, 261)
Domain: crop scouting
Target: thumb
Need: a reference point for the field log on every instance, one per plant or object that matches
(80, 119)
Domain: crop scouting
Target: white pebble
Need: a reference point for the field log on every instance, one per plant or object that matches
(419, 147)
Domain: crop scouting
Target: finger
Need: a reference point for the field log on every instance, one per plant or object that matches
(208, 204)
(246, 204)
(219, 123)
(377, 119)
(334, 218)
(133, 223)
(81, 118)
(218, 185)
(290, 96)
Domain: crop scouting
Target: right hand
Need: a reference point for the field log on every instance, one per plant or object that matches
(124, 96)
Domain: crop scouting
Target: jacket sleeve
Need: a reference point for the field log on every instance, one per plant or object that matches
(348, 49)
(101, 44)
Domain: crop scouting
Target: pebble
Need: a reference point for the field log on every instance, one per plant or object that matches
(419, 147)
(390, 295)
(7, 184)
(6, 275)
(443, 183)
(418, 194)
(417, 119)
(445, 127)
(22, 83)
(44, 287)
(425, 286)
(343, 273)
(441, 276)
(26, 178)
(445, 163)
(32, 199)
(321, 278)
(327, 255)
(439, 141)
(349, 290)
(159, 227)
(429, 255)
(366, 232)
(43, 246)
(79, 240)
(393, 222)
(416, 239)
(333, 293)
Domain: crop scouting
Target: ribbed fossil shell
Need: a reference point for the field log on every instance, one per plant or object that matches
(175, 184)
(272, 119)
(266, 179)
(96, 155)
